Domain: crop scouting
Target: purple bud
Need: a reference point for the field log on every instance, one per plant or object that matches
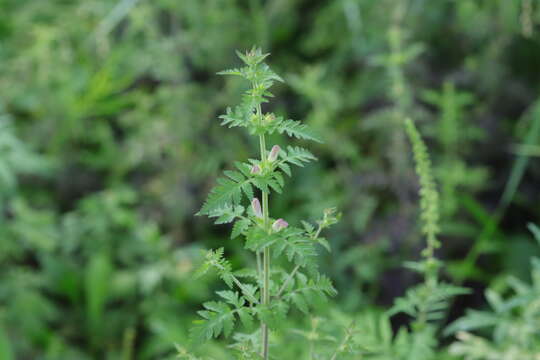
(274, 153)
(279, 224)
(256, 206)
(255, 169)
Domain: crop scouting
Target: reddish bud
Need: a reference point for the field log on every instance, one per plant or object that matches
(255, 169)
(279, 224)
(274, 153)
(256, 206)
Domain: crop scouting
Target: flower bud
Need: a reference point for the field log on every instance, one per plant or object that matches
(256, 206)
(274, 153)
(255, 169)
(268, 118)
(279, 224)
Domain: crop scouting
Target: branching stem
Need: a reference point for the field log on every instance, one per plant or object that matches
(297, 267)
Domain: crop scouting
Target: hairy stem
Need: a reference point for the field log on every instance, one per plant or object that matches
(266, 252)
(341, 346)
(288, 280)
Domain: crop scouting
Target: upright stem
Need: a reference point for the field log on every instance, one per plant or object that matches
(266, 252)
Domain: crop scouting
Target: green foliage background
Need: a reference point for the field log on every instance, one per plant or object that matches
(110, 142)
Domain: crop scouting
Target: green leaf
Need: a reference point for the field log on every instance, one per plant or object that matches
(257, 239)
(228, 192)
(217, 318)
(214, 259)
(252, 57)
(237, 118)
(297, 129)
(324, 243)
(226, 214)
(237, 72)
(297, 156)
(318, 287)
(232, 297)
(299, 301)
(297, 247)
(472, 320)
(308, 227)
(279, 178)
(239, 227)
(273, 314)
(245, 317)
(285, 168)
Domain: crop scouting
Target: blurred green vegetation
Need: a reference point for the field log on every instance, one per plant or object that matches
(110, 141)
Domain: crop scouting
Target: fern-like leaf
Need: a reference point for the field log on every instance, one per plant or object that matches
(226, 214)
(217, 318)
(298, 248)
(298, 130)
(295, 155)
(228, 192)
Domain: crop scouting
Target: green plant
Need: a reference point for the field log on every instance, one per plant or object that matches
(427, 302)
(272, 289)
(510, 330)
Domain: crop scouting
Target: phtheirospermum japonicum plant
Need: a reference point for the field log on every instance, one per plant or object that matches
(257, 299)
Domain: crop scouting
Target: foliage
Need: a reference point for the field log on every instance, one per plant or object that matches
(512, 321)
(109, 142)
(269, 297)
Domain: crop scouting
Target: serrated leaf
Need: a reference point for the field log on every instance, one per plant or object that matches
(239, 227)
(308, 227)
(297, 156)
(274, 185)
(261, 184)
(228, 192)
(274, 314)
(237, 72)
(244, 168)
(234, 175)
(299, 250)
(286, 168)
(279, 178)
(236, 118)
(217, 318)
(245, 317)
(471, 321)
(324, 243)
(257, 239)
(226, 214)
(298, 130)
(232, 297)
(318, 287)
(299, 301)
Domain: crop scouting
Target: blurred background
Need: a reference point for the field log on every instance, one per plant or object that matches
(110, 142)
